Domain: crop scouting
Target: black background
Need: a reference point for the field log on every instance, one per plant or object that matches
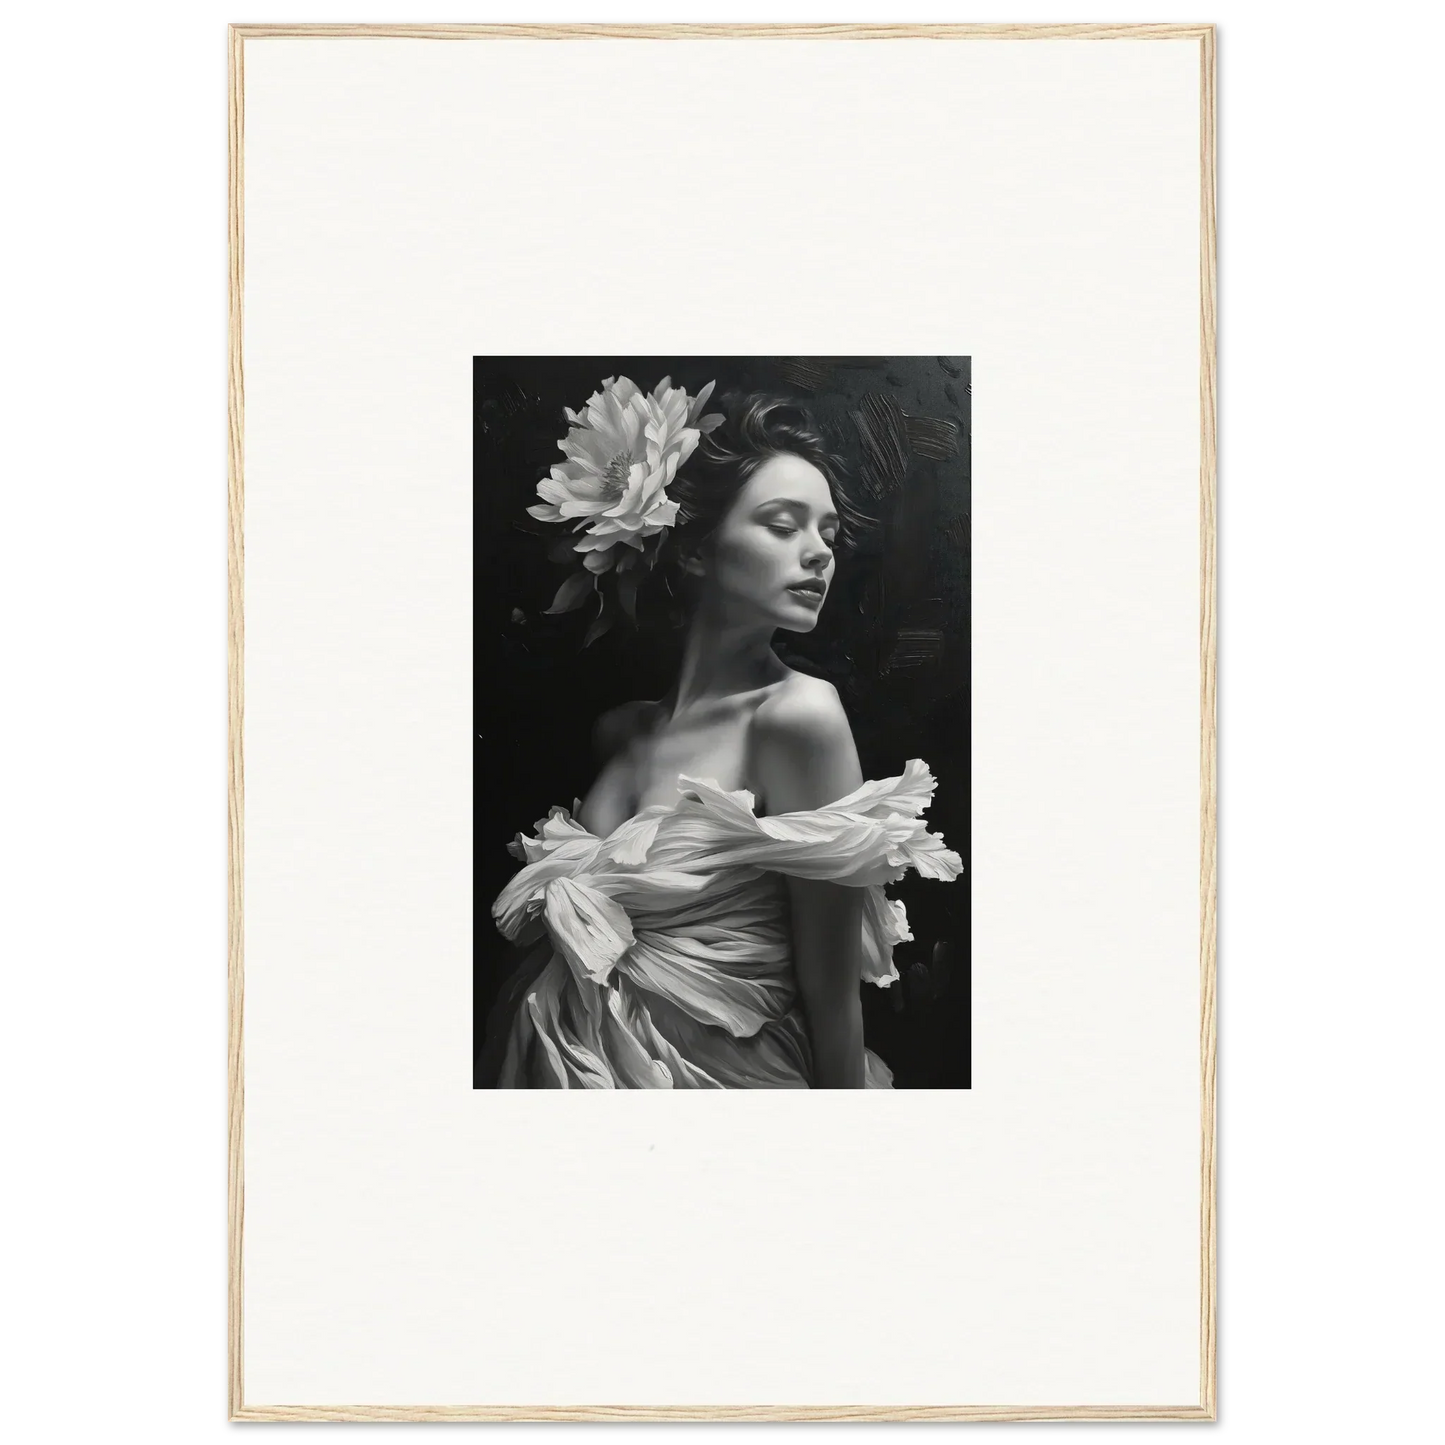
(893, 639)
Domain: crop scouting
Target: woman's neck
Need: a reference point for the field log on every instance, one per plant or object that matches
(721, 658)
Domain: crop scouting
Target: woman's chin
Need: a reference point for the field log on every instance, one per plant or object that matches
(800, 618)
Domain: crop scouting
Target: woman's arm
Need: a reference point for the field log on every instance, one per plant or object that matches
(803, 758)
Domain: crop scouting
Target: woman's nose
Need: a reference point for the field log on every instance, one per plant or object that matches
(816, 552)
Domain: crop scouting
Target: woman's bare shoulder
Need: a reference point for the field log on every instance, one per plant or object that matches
(803, 709)
(618, 726)
(802, 753)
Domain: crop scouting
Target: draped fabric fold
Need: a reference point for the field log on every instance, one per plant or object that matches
(670, 960)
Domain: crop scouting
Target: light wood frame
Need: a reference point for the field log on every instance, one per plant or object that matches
(1205, 1407)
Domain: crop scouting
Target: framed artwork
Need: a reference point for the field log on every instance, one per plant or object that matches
(722, 596)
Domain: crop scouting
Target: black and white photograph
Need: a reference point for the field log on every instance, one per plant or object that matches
(722, 750)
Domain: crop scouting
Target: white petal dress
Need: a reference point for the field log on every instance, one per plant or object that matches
(665, 949)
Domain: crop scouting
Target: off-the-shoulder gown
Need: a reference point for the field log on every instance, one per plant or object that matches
(663, 950)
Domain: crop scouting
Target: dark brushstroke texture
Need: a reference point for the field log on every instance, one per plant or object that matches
(932, 436)
(883, 435)
(916, 647)
(805, 373)
(894, 639)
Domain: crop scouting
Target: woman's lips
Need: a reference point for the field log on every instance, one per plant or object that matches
(811, 593)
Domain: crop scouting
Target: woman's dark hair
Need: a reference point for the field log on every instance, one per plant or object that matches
(755, 427)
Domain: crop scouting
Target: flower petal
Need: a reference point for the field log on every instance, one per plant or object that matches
(579, 471)
(688, 444)
(698, 402)
(551, 489)
(603, 436)
(631, 497)
(629, 429)
(656, 485)
(621, 522)
(586, 508)
(577, 446)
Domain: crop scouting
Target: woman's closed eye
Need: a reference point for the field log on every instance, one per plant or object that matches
(828, 539)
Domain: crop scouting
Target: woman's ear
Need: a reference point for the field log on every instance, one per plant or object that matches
(691, 562)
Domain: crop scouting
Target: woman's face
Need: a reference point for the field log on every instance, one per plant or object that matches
(770, 561)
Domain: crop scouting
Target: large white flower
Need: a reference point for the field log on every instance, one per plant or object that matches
(622, 450)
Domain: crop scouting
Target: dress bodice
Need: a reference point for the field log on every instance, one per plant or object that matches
(670, 952)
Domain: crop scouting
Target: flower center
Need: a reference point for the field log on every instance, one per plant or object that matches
(614, 483)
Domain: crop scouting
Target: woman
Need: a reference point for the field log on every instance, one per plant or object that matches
(706, 918)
